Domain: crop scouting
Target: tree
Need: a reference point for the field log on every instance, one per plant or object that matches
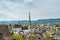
(49, 36)
(17, 37)
(57, 25)
(34, 36)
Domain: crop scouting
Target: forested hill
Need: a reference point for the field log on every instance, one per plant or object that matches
(40, 21)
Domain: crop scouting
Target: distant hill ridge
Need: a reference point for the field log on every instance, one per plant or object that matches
(51, 21)
(40, 21)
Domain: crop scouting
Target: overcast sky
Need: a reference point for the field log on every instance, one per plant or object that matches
(19, 9)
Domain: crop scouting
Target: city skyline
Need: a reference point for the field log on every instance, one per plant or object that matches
(19, 9)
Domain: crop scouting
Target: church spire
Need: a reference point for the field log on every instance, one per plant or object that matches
(29, 21)
(29, 18)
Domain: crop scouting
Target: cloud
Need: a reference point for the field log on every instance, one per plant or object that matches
(4, 17)
(19, 9)
(16, 1)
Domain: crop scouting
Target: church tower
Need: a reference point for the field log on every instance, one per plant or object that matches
(29, 23)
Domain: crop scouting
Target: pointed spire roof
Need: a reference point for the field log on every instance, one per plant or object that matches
(29, 21)
(29, 17)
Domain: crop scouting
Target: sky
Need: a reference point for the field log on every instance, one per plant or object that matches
(19, 9)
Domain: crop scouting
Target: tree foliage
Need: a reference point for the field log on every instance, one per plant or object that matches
(16, 37)
(57, 25)
(34, 37)
(48, 36)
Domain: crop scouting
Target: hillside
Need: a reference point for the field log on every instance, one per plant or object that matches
(40, 21)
